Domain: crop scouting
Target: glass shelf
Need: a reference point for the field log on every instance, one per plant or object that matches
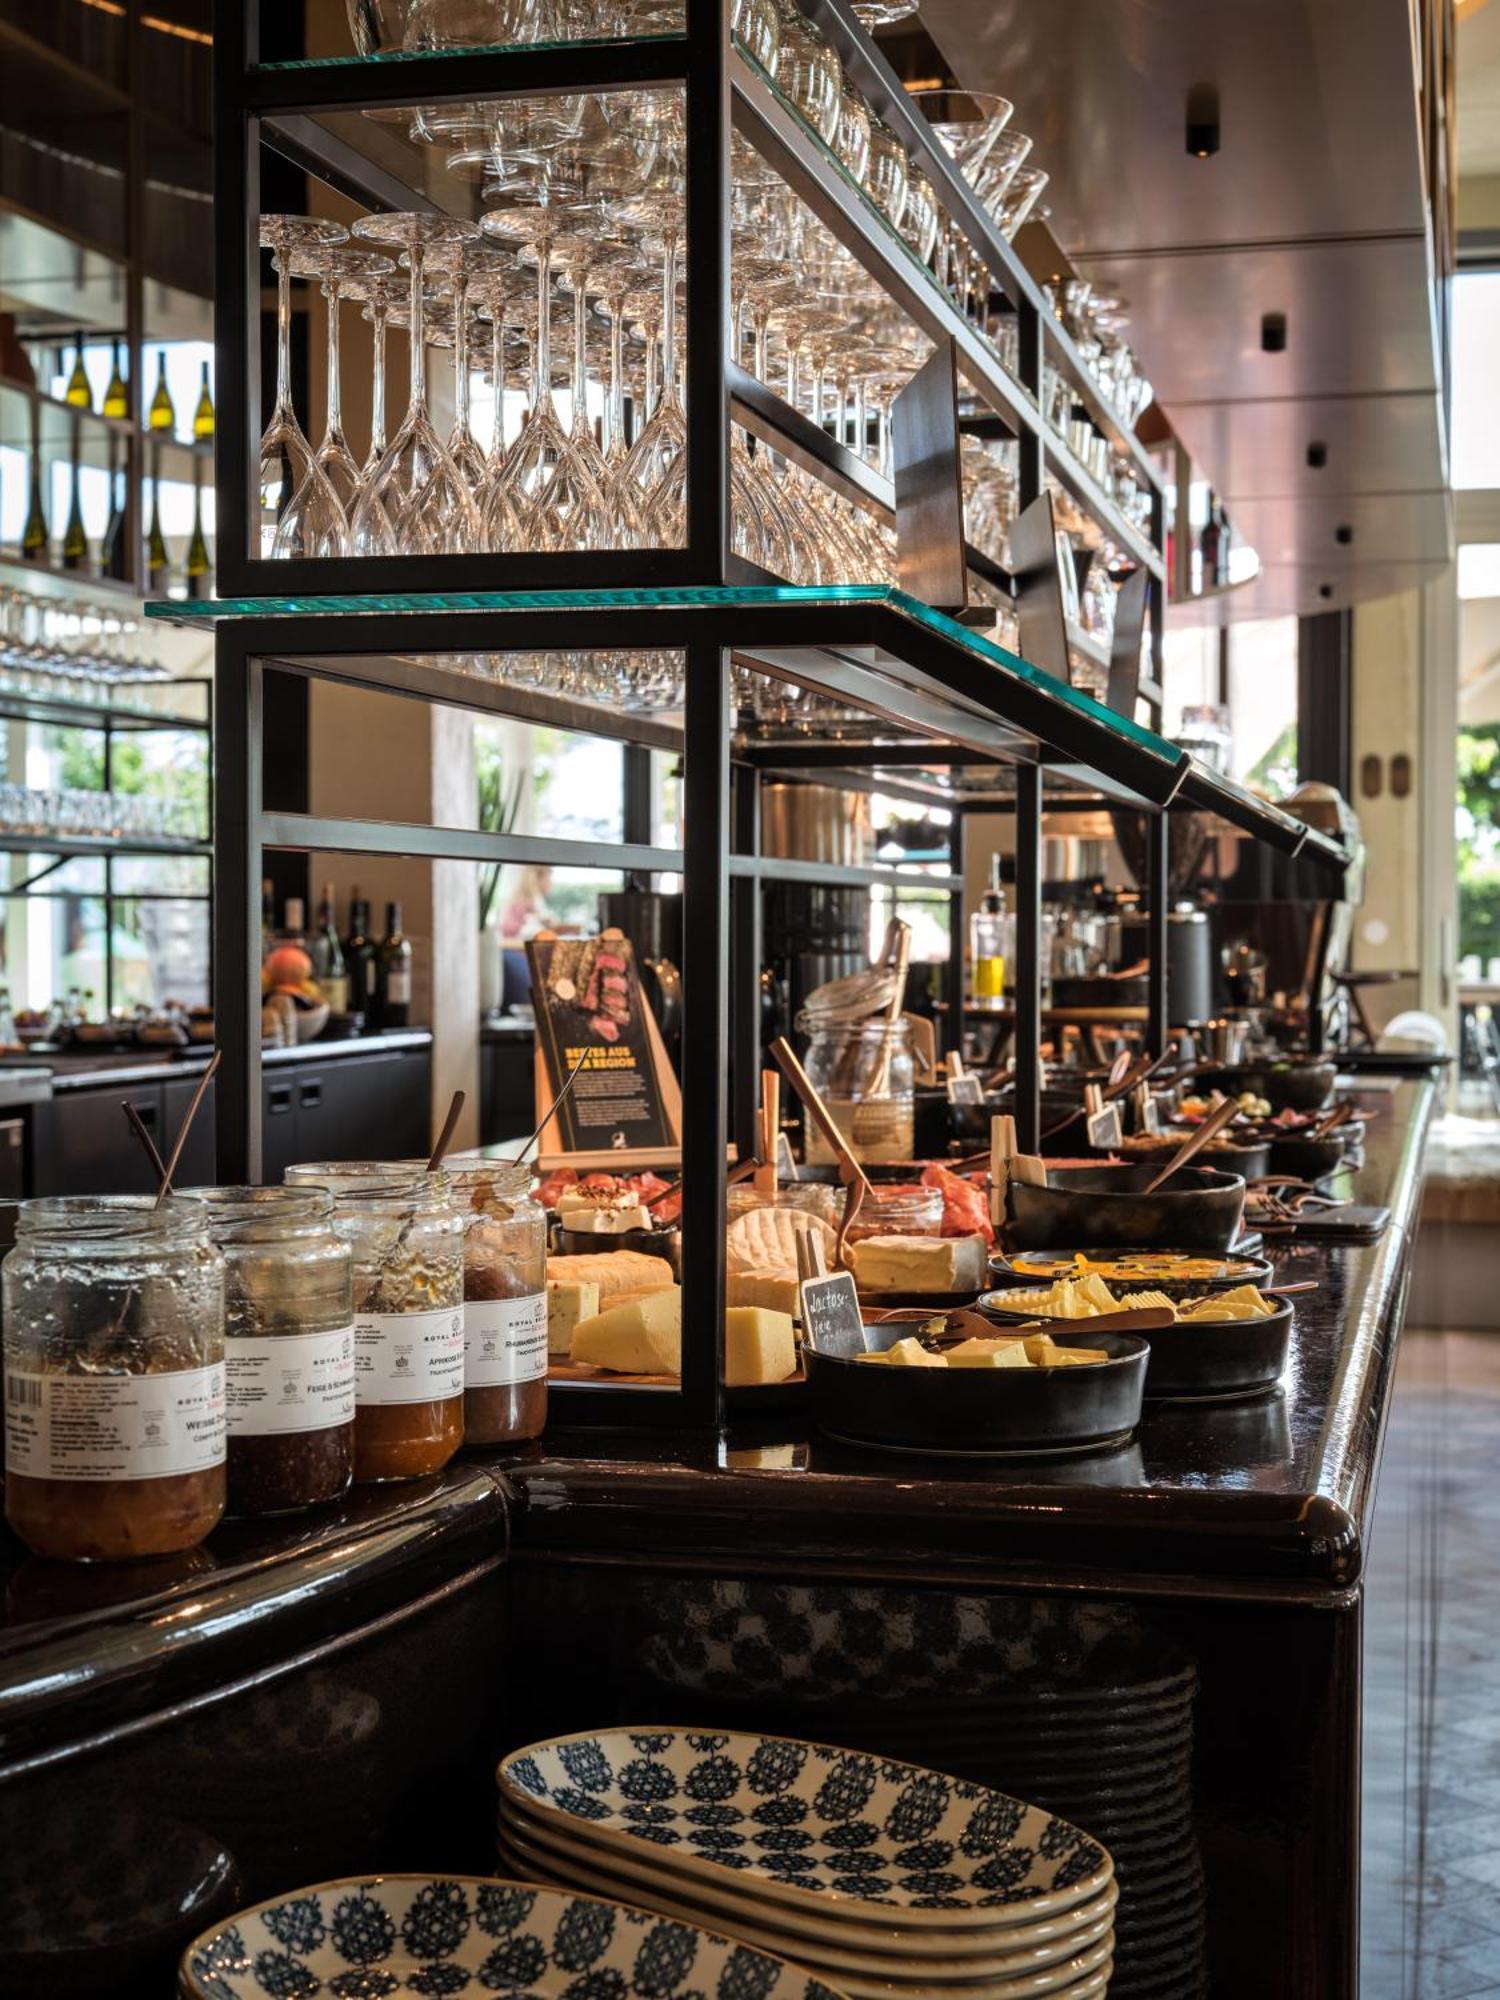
(385, 58)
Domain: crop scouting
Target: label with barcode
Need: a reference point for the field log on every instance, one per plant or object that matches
(100, 1427)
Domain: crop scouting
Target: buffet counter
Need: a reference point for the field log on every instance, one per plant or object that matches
(300, 1699)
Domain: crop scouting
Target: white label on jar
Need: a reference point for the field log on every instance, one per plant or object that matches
(505, 1340)
(97, 1427)
(409, 1357)
(295, 1382)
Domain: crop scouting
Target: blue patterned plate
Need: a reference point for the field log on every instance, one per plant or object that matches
(852, 1835)
(410, 1935)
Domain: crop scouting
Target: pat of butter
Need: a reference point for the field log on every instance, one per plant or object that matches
(918, 1263)
(907, 1354)
(567, 1304)
(988, 1354)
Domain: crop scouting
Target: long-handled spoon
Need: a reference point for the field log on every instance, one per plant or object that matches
(1212, 1125)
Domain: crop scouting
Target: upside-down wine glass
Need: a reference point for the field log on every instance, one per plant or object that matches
(286, 458)
(339, 270)
(416, 502)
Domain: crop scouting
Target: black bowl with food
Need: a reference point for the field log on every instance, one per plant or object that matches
(1179, 1273)
(1198, 1209)
(1285, 1086)
(980, 1412)
(1248, 1157)
(1217, 1357)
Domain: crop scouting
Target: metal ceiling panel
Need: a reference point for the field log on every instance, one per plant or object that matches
(1383, 528)
(1317, 102)
(1374, 444)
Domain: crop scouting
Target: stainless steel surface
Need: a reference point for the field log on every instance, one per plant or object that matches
(929, 496)
(1314, 207)
(24, 1086)
(817, 823)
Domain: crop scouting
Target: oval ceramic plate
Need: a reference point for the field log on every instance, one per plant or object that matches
(424, 1935)
(892, 1954)
(830, 1829)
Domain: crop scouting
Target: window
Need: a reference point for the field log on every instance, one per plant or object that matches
(1476, 367)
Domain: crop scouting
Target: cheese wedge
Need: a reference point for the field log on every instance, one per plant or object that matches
(907, 1354)
(919, 1263)
(988, 1354)
(759, 1346)
(568, 1302)
(1146, 1301)
(775, 1293)
(1072, 1357)
(613, 1271)
(760, 1257)
(642, 1338)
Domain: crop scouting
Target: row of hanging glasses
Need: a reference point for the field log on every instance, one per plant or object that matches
(71, 649)
(379, 27)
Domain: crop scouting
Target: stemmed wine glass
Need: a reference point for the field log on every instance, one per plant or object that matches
(466, 264)
(584, 258)
(338, 269)
(286, 458)
(415, 501)
(380, 295)
(657, 464)
(496, 292)
(620, 277)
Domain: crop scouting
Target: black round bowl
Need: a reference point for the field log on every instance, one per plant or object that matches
(1230, 1357)
(1253, 1271)
(1310, 1159)
(978, 1412)
(666, 1243)
(1250, 1159)
(1198, 1209)
(1291, 1086)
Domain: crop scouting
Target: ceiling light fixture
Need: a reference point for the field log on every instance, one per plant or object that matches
(1317, 454)
(1203, 121)
(1273, 333)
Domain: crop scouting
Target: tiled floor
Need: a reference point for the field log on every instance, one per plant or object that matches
(1431, 1888)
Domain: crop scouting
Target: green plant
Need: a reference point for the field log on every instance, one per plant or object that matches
(499, 809)
(1478, 829)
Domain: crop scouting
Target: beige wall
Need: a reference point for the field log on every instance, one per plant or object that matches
(1387, 696)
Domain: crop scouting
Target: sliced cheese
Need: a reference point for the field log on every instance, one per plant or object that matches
(988, 1354)
(642, 1338)
(759, 1346)
(568, 1302)
(907, 1354)
(1072, 1357)
(918, 1263)
(613, 1271)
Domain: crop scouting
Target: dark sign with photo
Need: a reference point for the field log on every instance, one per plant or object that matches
(590, 1011)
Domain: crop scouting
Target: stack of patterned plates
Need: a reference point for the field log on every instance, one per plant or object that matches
(886, 1879)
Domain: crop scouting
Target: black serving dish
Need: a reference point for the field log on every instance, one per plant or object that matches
(1249, 1271)
(1199, 1209)
(978, 1412)
(1216, 1358)
(1250, 1159)
(1288, 1086)
(1309, 1159)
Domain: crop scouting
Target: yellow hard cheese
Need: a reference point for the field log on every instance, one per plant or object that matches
(988, 1354)
(641, 1338)
(1043, 1352)
(918, 1263)
(759, 1346)
(567, 1304)
(907, 1354)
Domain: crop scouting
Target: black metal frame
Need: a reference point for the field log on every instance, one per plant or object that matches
(943, 694)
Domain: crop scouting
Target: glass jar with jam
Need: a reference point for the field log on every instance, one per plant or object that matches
(288, 1346)
(505, 1300)
(114, 1377)
(408, 1248)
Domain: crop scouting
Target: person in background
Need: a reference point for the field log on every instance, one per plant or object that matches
(527, 911)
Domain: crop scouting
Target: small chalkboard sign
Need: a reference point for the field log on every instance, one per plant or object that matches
(1104, 1127)
(831, 1319)
(786, 1163)
(1148, 1118)
(966, 1089)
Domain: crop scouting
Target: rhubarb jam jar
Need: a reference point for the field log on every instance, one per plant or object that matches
(505, 1300)
(288, 1346)
(407, 1245)
(114, 1377)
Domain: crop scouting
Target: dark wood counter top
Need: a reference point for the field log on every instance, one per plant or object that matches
(1269, 1497)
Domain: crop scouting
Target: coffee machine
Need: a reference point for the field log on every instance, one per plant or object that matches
(1282, 926)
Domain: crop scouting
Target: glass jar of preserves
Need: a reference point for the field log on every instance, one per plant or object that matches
(505, 1300)
(288, 1346)
(114, 1377)
(898, 1211)
(407, 1245)
(863, 1071)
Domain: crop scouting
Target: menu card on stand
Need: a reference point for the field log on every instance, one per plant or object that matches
(626, 1107)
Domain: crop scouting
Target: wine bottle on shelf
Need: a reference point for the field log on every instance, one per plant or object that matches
(116, 396)
(75, 548)
(294, 926)
(267, 918)
(360, 966)
(34, 535)
(158, 561)
(162, 415)
(79, 391)
(203, 415)
(199, 569)
(1208, 546)
(114, 550)
(393, 980)
(328, 956)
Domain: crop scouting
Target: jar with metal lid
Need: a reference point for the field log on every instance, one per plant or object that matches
(288, 1346)
(864, 1074)
(505, 1300)
(114, 1377)
(407, 1245)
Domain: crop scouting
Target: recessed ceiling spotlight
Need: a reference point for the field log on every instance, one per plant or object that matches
(1343, 534)
(1273, 333)
(1317, 454)
(1325, 590)
(1203, 121)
